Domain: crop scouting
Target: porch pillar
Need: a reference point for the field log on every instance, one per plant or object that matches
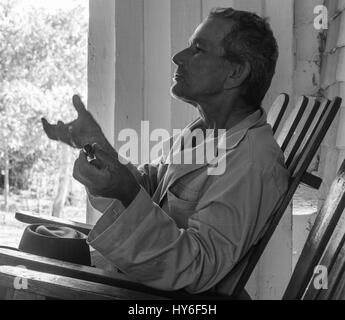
(101, 72)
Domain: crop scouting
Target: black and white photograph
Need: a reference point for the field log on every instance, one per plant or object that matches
(172, 154)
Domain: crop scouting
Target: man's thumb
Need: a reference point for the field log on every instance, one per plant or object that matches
(78, 104)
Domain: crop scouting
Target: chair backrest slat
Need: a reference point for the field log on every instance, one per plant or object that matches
(292, 162)
(319, 116)
(304, 128)
(300, 164)
(301, 131)
(317, 137)
(323, 229)
(292, 122)
(277, 111)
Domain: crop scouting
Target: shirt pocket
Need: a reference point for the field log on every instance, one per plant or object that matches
(180, 209)
(184, 192)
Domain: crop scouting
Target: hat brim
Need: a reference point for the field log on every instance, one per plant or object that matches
(74, 250)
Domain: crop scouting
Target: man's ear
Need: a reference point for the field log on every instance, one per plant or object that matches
(239, 72)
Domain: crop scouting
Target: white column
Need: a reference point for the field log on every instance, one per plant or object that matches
(129, 66)
(116, 68)
(101, 64)
(101, 71)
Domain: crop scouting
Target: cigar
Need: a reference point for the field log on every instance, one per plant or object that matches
(89, 152)
(91, 157)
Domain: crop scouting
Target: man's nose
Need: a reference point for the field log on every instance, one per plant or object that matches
(179, 58)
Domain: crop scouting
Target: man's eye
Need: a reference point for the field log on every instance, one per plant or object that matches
(197, 48)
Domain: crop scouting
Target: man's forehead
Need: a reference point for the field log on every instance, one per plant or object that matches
(211, 31)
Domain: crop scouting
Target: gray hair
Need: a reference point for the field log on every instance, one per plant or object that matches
(250, 39)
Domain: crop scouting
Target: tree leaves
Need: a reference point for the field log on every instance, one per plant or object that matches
(43, 58)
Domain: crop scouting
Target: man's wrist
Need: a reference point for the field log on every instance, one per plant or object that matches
(128, 198)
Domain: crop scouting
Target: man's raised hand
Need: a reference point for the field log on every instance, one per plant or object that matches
(81, 131)
(109, 178)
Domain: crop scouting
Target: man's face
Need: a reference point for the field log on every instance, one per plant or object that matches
(201, 69)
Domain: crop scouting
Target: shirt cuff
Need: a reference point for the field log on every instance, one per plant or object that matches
(99, 203)
(118, 223)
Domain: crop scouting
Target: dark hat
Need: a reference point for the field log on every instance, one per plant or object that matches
(51, 241)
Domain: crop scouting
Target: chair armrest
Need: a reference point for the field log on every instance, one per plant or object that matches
(27, 217)
(43, 284)
(61, 268)
(96, 275)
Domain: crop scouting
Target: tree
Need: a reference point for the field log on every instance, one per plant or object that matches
(43, 63)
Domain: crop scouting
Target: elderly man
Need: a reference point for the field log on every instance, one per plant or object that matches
(174, 226)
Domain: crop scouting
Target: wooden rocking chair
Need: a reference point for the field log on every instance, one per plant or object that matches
(299, 138)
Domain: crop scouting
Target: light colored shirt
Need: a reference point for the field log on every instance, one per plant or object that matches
(187, 229)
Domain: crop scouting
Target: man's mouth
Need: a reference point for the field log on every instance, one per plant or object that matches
(178, 76)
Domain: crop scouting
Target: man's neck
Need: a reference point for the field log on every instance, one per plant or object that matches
(217, 116)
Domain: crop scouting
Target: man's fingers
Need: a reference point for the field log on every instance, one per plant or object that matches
(76, 171)
(73, 135)
(57, 131)
(50, 129)
(78, 104)
(109, 160)
(82, 169)
(88, 169)
(63, 132)
(111, 155)
(89, 175)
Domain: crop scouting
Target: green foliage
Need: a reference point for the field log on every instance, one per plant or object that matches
(43, 63)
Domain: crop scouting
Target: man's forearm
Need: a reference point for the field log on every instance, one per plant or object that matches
(129, 196)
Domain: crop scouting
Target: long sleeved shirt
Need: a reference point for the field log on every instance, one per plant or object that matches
(187, 228)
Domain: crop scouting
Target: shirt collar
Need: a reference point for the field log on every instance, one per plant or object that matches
(236, 134)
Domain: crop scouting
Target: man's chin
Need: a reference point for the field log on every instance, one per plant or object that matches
(177, 93)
